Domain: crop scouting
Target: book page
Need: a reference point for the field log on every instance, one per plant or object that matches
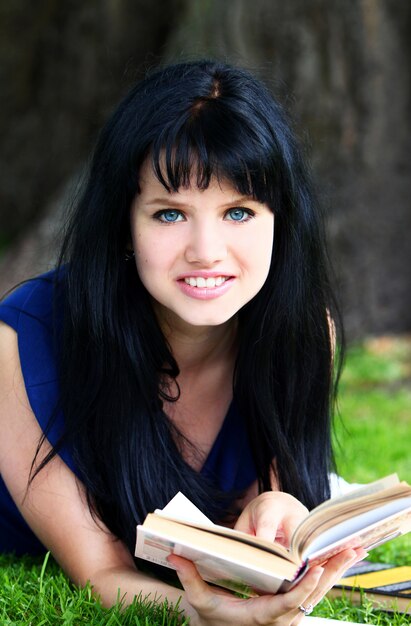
(367, 530)
(220, 561)
(180, 508)
(332, 512)
(222, 531)
(364, 490)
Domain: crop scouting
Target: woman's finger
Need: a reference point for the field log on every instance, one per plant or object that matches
(284, 608)
(337, 566)
(198, 593)
(334, 569)
(224, 608)
(273, 515)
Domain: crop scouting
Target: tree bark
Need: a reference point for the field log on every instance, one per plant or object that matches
(343, 71)
(341, 68)
(64, 65)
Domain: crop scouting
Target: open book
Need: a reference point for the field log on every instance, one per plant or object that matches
(368, 516)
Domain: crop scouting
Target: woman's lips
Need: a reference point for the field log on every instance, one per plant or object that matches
(205, 287)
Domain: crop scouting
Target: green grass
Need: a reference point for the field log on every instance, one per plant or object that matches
(372, 439)
(36, 592)
(373, 435)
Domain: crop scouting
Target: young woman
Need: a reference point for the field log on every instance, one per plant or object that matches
(182, 343)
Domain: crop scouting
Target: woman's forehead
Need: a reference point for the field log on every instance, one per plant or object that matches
(151, 185)
(167, 174)
(157, 176)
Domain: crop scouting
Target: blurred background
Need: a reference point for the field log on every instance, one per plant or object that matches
(342, 68)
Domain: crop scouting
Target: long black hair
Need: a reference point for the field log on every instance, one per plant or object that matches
(197, 119)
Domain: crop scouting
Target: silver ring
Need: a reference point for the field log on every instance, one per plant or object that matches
(306, 609)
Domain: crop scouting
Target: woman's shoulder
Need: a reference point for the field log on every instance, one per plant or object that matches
(34, 310)
(34, 298)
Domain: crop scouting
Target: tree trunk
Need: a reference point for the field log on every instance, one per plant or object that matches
(341, 68)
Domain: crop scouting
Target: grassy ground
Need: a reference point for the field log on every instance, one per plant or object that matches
(374, 433)
(34, 592)
(373, 439)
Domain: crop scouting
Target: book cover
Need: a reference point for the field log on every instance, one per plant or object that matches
(386, 586)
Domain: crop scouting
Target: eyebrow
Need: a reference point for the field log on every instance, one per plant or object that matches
(180, 203)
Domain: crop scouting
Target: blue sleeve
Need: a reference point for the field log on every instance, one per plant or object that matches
(32, 311)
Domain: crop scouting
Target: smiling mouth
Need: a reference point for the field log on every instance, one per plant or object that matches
(205, 283)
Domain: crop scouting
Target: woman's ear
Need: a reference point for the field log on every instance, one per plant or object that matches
(129, 253)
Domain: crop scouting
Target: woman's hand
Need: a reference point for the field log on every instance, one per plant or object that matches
(209, 606)
(273, 515)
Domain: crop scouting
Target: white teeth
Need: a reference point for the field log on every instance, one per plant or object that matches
(201, 282)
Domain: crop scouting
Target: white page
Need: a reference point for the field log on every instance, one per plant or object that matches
(360, 490)
(181, 509)
(350, 527)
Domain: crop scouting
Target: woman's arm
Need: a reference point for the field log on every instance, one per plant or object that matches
(55, 506)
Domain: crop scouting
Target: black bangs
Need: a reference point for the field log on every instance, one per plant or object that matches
(209, 141)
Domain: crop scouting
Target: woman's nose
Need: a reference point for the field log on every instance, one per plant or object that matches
(206, 245)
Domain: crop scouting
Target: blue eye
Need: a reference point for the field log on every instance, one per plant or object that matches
(169, 215)
(239, 215)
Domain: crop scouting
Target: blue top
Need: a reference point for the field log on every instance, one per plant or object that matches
(31, 312)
